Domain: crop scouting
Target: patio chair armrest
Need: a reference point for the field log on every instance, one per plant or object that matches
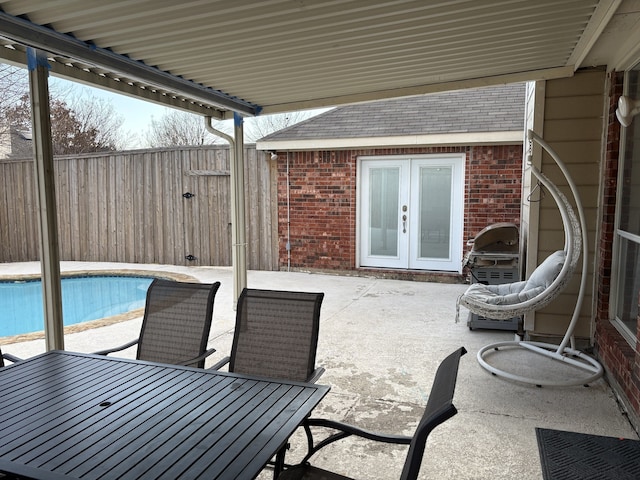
(11, 358)
(317, 373)
(344, 430)
(359, 432)
(220, 364)
(117, 349)
(198, 358)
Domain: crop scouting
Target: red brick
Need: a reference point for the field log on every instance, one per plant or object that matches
(323, 195)
(614, 352)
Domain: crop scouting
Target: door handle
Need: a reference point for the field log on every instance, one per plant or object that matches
(404, 219)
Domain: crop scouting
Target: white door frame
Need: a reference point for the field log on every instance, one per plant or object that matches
(409, 193)
(401, 258)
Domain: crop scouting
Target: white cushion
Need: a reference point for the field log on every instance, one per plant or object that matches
(517, 292)
(547, 271)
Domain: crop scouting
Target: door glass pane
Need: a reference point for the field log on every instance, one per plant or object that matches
(435, 212)
(383, 212)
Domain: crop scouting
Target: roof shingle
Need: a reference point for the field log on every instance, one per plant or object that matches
(489, 109)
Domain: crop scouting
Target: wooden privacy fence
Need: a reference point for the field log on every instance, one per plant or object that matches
(169, 206)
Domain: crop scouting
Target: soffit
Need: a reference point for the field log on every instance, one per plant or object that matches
(282, 55)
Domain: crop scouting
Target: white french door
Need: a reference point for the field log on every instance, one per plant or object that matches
(411, 212)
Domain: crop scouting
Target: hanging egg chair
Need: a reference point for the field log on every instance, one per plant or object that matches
(548, 280)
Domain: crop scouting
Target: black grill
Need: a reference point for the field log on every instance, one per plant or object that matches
(493, 259)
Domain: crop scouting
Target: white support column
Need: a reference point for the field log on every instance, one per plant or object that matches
(239, 231)
(238, 219)
(46, 199)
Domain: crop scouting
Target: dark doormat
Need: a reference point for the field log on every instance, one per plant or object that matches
(577, 456)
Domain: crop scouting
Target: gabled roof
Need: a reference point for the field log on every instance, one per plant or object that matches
(491, 112)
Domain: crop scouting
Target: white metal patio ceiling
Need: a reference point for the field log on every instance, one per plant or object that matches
(217, 57)
(281, 55)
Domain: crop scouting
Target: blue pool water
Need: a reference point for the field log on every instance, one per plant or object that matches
(83, 299)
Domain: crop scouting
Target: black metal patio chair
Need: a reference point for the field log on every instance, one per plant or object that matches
(7, 356)
(439, 409)
(176, 324)
(276, 335)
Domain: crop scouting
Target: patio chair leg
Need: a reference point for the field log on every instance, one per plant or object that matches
(278, 465)
(307, 430)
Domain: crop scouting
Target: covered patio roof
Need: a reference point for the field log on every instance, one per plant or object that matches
(260, 57)
(224, 59)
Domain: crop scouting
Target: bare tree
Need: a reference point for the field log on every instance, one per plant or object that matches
(178, 128)
(259, 127)
(13, 84)
(80, 124)
(90, 125)
(98, 115)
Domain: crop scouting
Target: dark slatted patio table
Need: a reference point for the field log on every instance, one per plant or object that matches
(71, 415)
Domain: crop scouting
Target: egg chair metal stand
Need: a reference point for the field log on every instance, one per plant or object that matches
(506, 301)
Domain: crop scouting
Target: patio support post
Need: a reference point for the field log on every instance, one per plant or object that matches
(46, 199)
(238, 221)
(238, 208)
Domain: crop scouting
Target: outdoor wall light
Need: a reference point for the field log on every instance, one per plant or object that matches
(627, 109)
(274, 155)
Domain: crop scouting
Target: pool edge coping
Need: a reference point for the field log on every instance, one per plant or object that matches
(101, 322)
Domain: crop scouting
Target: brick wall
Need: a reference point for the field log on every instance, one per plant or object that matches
(493, 187)
(322, 213)
(322, 197)
(621, 361)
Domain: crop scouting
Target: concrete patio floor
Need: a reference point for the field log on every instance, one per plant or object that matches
(380, 342)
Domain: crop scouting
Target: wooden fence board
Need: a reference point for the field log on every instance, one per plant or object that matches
(129, 207)
(4, 214)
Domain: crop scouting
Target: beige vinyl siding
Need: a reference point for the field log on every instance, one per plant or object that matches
(573, 126)
(534, 115)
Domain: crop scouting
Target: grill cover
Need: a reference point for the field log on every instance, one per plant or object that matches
(496, 244)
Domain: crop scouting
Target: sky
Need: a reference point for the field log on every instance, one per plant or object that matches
(137, 114)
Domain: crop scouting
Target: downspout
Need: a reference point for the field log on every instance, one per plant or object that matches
(238, 225)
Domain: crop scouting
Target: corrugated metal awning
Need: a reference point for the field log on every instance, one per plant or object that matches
(213, 57)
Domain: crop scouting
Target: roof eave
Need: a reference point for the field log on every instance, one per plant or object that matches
(422, 140)
(436, 87)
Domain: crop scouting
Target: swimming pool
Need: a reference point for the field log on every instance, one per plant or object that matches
(84, 299)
